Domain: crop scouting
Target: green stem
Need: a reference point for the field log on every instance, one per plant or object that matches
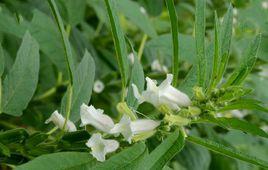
(68, 104)
(8, 125)
(142, 45)
(0, 95)
(98, 29)
(52, 131)
(46, 94)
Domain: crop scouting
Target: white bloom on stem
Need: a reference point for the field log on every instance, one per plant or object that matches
(59, 120)
(95, 117)
(98, 86)
(100, 147)
(238, 114)
(131, 58)
(130, 128)
(143, 10)
(156, 66)
(164, 94)
(264, 5)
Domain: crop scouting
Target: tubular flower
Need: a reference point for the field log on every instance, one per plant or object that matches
(164, 94)
(59, 120)
(130, 128)
(100, 147)
(95, 117)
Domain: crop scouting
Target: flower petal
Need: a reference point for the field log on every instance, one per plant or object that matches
(143, 125)
(124, 128)
(96, 118)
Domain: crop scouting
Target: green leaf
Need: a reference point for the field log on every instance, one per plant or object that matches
(119, 41)
(226, 36)
(137, 78)
(35, 139)
(132, 11)
(2, 61)
(64, 37)
(21, 81)
(127, 159)
(247, 64)
(79, 160)
(200, 41)
(223, 150)
(75, 11)
(12, 136)
(82, 86)
(4, 150)
(60, 161)
(234, 123)
(175, 33)
(159, 157)
(189, 82)
(216, 61)
(232, 93)
(249, 104)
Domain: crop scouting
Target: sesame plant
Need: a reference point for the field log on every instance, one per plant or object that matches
(77, 98)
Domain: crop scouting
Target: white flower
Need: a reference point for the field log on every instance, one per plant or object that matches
(131, 58)
(143, 10)
(98, 86)
(264, 5)
(238, 113)
(265, 128)
(95, 117)
(59, 120)
(164, 94)
(130, 128)
(235, 12)
(156, 66)
(100, 147)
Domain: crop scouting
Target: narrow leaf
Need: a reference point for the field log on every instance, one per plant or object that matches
(159, 157)
(223, 150)
(247, 64)
(226, 36)
(65, 41)
(234, 123)
(200, 41)
(249, 104)
(4, 150)
(20, 83)
(175, 33)
(137, 78)
(2, 61)
(82, 86)
(214, 75)
(119, 41)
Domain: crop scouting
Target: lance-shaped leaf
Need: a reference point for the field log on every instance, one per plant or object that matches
(234, 123)
(20, 83)
(66, 44)
(249, 104)
(247, 64)
(158, 158)
(175, 33)
(82, 86)
(223, 150)
(2, 61)
(119, 40)
(200, 41)
(225, 42)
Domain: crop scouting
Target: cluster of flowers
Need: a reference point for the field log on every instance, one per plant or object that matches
(164, 94)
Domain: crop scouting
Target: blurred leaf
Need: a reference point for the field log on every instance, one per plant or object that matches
(21, 81)
(159, 157)
(137, 78)
(175, 33)
(200, 26)
(35, 139)
(79, 135)
(189, 82)
(12, 136)
(132, 11)
(82, 86)
(232, 93)
(234, 123)
(75, 11)
(221, 149)
(4, 150)
(119, 41)
(2, 61)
